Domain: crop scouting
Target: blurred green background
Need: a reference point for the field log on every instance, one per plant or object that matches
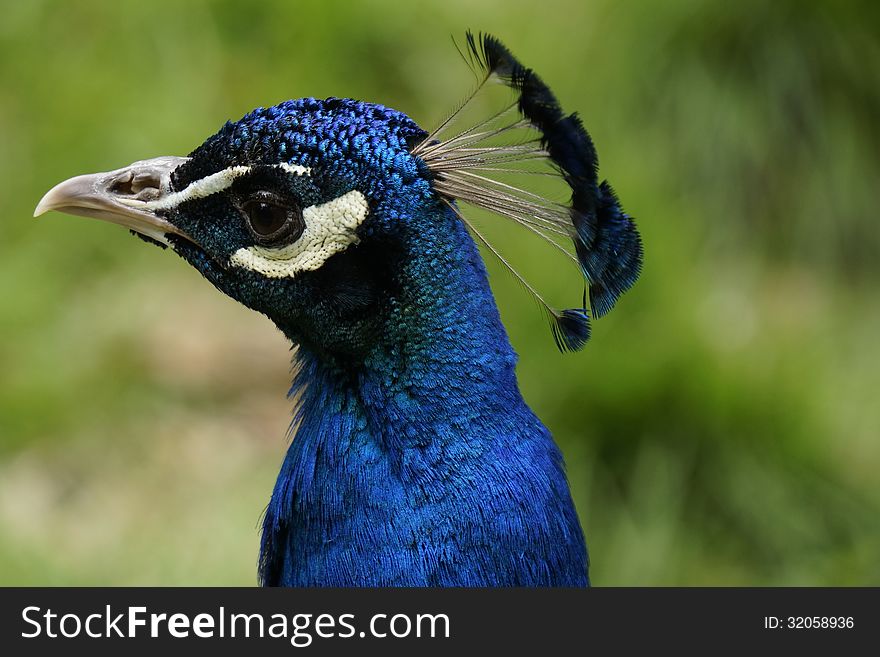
(720, 428)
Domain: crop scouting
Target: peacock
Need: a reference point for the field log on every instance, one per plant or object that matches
(414, 460)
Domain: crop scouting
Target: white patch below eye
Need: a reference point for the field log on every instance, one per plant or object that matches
(213, 184)
(330, 229)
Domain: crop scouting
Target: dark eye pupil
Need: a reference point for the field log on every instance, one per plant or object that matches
(266, 218)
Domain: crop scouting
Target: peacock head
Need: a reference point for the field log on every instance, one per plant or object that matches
(263, 207)
(308, 210)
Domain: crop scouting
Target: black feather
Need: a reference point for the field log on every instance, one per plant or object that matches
(614, 260)
(571, 329)
(465, 166)
(606, 240)
(148, 240)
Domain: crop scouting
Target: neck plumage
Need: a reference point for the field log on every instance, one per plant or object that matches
(395, 463)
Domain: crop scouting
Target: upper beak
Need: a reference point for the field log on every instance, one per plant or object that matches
(125, 197)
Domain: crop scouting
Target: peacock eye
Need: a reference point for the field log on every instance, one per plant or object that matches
(265, 218)
(271, 220)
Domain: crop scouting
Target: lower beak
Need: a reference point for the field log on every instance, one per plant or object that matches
(123, 197)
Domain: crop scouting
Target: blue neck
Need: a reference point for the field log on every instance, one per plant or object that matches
(424, 466)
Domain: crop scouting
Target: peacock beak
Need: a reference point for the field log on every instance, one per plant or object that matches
(128, 197)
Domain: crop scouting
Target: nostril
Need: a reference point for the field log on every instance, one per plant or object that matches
(142, 185)
(121, 185)
(143, 181)
(146, 185)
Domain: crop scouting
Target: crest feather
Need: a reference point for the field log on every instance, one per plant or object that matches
(468, 166)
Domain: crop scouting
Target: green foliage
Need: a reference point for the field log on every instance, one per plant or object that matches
(720, 428)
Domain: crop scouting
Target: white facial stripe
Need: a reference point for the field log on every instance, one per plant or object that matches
(208, 185)
(330, 229)
(295, 169)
